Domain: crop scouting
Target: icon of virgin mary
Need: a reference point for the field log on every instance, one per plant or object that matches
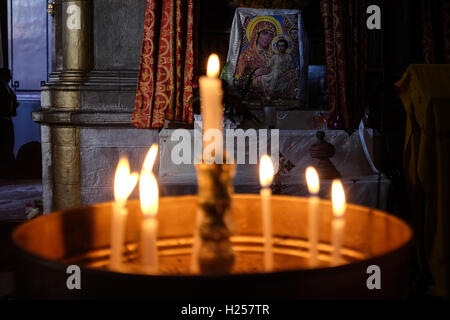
(267, 56)
(257, 52)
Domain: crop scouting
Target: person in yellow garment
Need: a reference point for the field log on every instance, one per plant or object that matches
(424, 91)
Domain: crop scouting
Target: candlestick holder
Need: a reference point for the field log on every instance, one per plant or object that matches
(323, 151)
(213, 252)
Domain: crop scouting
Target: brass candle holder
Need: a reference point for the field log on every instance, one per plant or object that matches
(47, 245)
(213, 252)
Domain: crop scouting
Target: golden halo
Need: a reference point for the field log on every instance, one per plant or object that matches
(284, 37)
(256, 20)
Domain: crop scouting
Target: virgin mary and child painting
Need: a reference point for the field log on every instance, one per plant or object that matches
(267, 54)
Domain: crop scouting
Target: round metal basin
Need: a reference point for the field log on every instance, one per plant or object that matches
(47, 245)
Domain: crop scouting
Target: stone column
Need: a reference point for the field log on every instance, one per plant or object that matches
(62, 96)
(86, 107)
(77, 38)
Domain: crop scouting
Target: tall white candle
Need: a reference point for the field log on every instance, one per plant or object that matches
(266, 172)
(339, 206)
(312, 179)
(124, 183)
(196, 245)
(149, 244)
(149, 198)
(211, 95)
(117, 234)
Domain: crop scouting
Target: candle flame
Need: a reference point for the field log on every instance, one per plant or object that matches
(338, 198)
(124, 182)
(266, 171)
(213, 66)
(312, 180)
(150, 158)
(149, 194)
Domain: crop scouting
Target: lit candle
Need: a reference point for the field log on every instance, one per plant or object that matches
(150, 158)
(266, 172)
(339, 205)
(149, 193)
(312, 179)
(124, 183)
(211, 107)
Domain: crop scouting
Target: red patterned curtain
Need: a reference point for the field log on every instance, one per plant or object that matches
(164, 89)
(435, 15)
(446, 29)
(346, 54)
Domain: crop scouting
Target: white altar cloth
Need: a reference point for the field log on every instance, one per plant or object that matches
(363, 185)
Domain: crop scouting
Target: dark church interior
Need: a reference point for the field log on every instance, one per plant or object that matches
(356, 90)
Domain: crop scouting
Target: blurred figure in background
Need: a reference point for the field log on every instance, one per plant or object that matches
(8, 105)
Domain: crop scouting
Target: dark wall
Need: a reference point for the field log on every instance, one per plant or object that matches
(4, 27)
(312, 19)
(402, 47)
(214, 31)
